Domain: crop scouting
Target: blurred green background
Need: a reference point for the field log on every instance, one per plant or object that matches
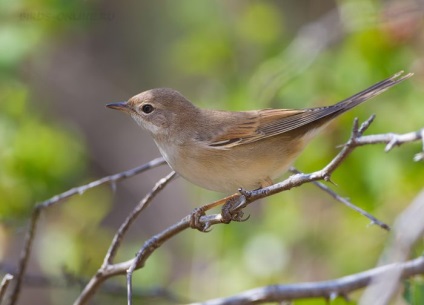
(61, 62)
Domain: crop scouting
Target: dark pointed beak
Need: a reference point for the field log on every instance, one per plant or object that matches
(121, 106)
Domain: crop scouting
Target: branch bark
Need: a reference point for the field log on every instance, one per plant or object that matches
(4, 284)
(326, 289)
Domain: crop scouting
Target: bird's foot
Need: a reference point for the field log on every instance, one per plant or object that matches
(230, 213)
(195, 216)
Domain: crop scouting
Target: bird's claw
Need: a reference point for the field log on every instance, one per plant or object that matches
(228, 214)
(195, 220)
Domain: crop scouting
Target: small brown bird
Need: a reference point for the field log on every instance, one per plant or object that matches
(224, 151)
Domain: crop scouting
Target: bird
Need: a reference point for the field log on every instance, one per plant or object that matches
(224, 151)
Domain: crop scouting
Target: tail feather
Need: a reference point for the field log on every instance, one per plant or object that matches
(321, 115)
(370, 92)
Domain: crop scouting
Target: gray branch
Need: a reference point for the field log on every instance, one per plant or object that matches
(30, 234)
(326, 289)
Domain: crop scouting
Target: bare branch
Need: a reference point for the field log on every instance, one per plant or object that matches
(325, 289)
(392, 139)
(25, 253)
(4, 284)
(102, 273)
(346, 202)
(29, 237)
(144, 203)
(112, 179)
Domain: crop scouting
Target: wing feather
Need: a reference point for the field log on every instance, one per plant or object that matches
(253, 126)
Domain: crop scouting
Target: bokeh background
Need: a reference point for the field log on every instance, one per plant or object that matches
(62, 61)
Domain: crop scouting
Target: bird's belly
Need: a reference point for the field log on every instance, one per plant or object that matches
(226, 171)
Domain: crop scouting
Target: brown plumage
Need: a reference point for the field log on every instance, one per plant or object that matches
(223, 150)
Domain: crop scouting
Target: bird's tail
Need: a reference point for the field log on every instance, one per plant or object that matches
(322, 115)
(367, 94)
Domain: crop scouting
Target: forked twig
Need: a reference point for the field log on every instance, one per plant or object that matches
(143, 204)
(107, 265)
(346, 202)
(29, 236)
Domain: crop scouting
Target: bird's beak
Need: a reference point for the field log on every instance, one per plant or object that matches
(121, 106)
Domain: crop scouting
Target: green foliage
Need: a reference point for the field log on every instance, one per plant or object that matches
(26, 25)
(414, 291)
(38, 159)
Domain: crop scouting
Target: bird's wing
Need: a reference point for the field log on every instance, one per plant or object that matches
(270, 122)
(254, 126)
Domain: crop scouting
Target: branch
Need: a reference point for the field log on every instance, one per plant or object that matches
(112, 179)
(143, 204)
(346, 202)
(326, 289)
(102, 273)
(29, 237)
(4, 284)
(393, 139)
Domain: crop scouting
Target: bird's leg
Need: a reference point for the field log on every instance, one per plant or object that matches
(199, 212)
(233, 203)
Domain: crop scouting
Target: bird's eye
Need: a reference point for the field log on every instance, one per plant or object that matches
(147, 108)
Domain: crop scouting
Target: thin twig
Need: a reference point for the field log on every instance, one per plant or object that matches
(29, 237)
(107, 265)
(143, 204)
(393, 139)
(4, 284)
(24, 255)
(325, 289)
(112, 179)
(346, 202)
(149, 247)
